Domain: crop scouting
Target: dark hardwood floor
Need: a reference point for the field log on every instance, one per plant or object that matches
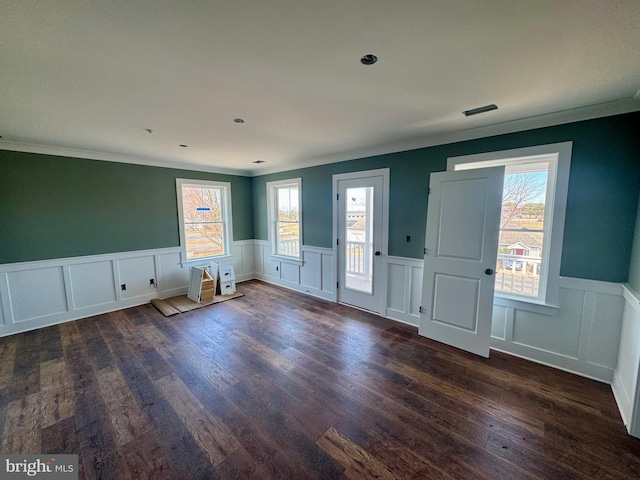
(278, 384)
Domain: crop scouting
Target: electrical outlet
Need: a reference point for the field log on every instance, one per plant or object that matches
(408, 238)
(123, 287)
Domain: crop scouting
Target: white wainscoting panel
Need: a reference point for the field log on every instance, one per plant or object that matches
(290, 273)
(172, 278)
(311, 270)
(404, 289)
(244, 259)
(136, 273)
(626, 381)
(534, 330)
(396, 286)
(499, 322)
(92, 284)
(313, 275)
(36, 293)
(328, 275)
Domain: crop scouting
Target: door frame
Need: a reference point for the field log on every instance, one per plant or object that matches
(385, 174)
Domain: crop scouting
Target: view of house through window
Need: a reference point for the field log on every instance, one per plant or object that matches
(522, 229)
(203, 220)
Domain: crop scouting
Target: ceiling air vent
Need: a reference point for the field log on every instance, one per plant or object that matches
(476, 111)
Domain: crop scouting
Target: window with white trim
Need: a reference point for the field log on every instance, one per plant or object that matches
(204, 213)
(285, 217)
(532, 222)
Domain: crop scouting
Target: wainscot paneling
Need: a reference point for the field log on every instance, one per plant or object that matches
(38, 294)
(580, 336)
(404, 289)
(626, 380)
(99, 291)
(313, 274)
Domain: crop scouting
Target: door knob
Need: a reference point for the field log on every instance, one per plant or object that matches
(377, 254)
(488, 271)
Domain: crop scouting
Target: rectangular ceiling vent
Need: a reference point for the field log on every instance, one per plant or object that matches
(475, 111)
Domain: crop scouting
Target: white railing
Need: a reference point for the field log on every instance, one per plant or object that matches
(518, 274)
(355, 258)
(289, 247)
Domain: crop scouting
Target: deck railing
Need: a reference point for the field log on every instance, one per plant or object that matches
(356, 259)
(518, 274)
(289, 247)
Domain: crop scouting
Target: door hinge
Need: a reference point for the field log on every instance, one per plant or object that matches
(424, 251)
(337, 241)
(337, 196)
(337, 284)
(420, 310)
(429, 191)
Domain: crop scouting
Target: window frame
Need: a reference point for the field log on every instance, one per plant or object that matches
(227, 219)
(555, 209)
(272, 217)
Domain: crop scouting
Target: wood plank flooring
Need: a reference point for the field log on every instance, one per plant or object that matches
(278, 384)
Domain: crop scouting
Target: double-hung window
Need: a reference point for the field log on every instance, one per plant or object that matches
(285, 217)
(204, 211)
(532, 221)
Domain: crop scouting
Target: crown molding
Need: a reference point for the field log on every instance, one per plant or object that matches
(116, 157)
(591, 112)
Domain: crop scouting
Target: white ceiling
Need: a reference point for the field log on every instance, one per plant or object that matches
(86, 78)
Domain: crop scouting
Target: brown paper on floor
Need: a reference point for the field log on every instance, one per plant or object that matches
(181, 304)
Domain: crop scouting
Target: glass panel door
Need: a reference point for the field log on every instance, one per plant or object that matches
(359, 241)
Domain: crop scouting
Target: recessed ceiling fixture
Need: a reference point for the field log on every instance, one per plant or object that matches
(368, 59)
(258, 161)
(183, 145)
(238, 120)
(475, 111)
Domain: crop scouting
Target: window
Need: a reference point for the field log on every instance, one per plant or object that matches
(532, 222)
(285, 217)
(204, 210)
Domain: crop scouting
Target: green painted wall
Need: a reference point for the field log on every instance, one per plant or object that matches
(634, 268)
(601, 208)
(53, 207)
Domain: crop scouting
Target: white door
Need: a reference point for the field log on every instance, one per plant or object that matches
(360, 241)
(463, 221)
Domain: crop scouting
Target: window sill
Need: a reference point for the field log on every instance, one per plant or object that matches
(532, 305)
(291, 260)
(204, 260)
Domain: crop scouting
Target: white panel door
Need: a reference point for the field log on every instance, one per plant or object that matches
(463, 221)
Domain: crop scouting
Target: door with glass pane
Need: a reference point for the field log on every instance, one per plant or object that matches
(360, 224)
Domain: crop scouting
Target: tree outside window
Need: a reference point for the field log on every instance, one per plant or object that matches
(204, 222)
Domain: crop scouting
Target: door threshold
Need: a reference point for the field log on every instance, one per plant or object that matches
(362, 309)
